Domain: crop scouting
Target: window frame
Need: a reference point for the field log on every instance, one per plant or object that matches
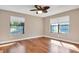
(59, 25)
(64, 32)
(51, 28)
(23, 31)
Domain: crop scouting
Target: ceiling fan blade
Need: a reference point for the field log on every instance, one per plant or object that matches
(45, 11)
(38, 7)
(46, 7)
(33, 10)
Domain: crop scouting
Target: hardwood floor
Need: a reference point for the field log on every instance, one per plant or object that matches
(44, 45)
(37, 45)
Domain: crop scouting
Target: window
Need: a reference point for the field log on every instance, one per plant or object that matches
(64, 28)
(60, 25)
(17, 25)
(54, 28)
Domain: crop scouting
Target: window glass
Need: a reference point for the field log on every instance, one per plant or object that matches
(17, 25)
(60, 25)
(64, 28)
(54, 28)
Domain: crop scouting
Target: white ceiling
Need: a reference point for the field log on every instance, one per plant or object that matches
(54, 9)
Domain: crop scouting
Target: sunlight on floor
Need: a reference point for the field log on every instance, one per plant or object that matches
(57, 46)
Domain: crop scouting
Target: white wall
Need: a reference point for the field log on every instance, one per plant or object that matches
(73, 35)
(36, 26)
(33, 26)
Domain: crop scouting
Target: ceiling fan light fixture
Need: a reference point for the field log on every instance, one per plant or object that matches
(39, 12)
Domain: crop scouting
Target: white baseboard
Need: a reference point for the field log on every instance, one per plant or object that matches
(13, 40)
(27, 38)
(61, 39)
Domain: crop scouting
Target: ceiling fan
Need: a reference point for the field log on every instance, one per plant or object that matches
(40, 9)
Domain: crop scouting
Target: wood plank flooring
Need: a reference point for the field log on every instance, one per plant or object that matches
(46, 45)
(37, 45)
